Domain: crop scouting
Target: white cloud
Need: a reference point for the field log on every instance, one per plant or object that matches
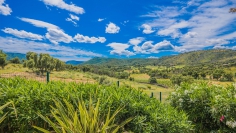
(206, 24)
(136, 41)
(23, 46)
(55, 36)
(164, 45)
(61, 4)
(120, 49)
(153, 57)
(23, 34)
(147, 45)
(112, 28)
(54, 33)
(4, 8)
(101, 19)
(173, 30)
(85, 39)
(147, 29)
(73, 19)
(39, 23)
(216, 42)
(190, 35)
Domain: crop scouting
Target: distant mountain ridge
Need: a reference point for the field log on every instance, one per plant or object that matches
(13, 55)
(74, 62)
(189, 58)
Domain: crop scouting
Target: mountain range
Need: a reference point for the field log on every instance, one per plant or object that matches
(223, 56)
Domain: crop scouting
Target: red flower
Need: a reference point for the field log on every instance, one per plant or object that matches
(222, 118)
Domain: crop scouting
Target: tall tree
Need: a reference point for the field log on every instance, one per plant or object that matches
(3, 59)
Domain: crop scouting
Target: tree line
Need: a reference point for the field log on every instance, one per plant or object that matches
(39, 63)
(42, 62)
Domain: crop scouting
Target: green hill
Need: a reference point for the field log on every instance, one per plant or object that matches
(223, 56)
(13, 55)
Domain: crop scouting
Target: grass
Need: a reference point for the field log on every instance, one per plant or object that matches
(12, 68)
(140, 77)
(76, 76)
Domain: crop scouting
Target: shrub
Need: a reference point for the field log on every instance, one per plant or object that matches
(210, 107)
(32, 97)
(152, 80)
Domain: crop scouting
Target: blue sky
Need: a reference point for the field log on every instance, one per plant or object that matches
(83, 29)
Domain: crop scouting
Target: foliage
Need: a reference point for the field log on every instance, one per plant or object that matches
(43, 62)
(222, 56)
(79, 118)
(32, 97)
(152, 80)
(1, 108)
(178, 79)
(3, 60)
(15, 60)
(212, 108)
(232, 10)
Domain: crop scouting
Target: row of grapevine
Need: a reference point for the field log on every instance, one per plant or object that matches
(31, 98)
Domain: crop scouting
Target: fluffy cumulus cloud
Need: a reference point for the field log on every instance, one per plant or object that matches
(112, 28)
(54, 33)
(195, 24)
(61, 52)
(164, 45)
(23, 34)
(85, 39)
(147, 29)
(4, 8)
(148, 47)
(136, 41)
(120, 49)
(62, 5)
(73, 19)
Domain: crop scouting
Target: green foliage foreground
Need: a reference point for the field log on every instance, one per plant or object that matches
(211, 108)
(32, 97)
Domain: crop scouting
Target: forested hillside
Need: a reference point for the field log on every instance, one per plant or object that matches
(223, 56)
(13, 55)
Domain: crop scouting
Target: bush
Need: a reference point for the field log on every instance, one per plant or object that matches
(178, 79)
(152, 80)
(32, 97)
(210, 107)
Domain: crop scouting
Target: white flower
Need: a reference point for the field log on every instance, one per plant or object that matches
(231, 124)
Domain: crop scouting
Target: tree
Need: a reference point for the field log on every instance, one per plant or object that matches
(228, 76)
(44, 62)
(3, 59)
(152, 80)
(232, 10)
(15, 60)
(217, 74)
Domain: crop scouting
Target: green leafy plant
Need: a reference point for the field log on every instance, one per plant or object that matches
(211, 108)
(1, 108)
(32, 98)
(83, 119)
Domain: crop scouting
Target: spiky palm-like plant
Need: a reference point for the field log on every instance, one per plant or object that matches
(81, 120)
